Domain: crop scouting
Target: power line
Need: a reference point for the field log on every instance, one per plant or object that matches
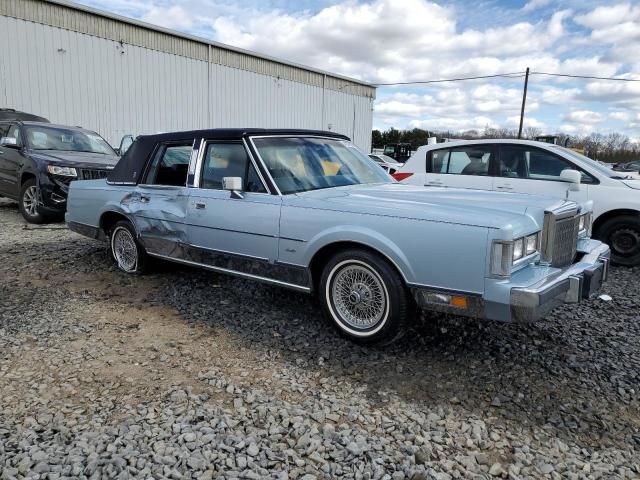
(587, 77)
(507, 75)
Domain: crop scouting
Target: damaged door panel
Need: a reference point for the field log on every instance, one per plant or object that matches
(159, 214)
(159, 204)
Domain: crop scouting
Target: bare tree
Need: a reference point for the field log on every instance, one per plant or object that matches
(532, 132)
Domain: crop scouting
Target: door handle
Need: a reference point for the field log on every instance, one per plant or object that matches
(145, 198)
(435, 183)
(504, 187)
(201, 205)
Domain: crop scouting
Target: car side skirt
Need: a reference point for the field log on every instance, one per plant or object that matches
(86, 230)
(253, 268)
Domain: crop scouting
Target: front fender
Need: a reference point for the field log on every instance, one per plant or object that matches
(363, 236)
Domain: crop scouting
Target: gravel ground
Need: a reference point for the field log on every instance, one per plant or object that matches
(188, 374)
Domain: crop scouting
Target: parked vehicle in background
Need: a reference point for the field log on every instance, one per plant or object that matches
(387, 163)
(627, 167)
(400, 152)
(7, 114)
(308, 211)
(537, 168)
(39, 160)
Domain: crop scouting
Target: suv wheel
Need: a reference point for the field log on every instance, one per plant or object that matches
(126, 252)
(364, 297)
(30, 201)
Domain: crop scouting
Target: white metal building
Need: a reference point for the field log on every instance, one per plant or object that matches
(80, 66)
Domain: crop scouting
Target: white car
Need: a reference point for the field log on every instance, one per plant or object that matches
(525, 166)
(386, 162)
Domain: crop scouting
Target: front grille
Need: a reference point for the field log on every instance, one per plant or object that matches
(92, 174)
(565, 241)
(560, 239)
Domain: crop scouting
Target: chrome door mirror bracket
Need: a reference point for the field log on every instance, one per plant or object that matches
(234, 185)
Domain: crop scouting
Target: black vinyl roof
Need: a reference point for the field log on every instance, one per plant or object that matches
(132, 164)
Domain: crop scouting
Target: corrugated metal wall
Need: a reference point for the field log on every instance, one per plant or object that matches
(75, 78)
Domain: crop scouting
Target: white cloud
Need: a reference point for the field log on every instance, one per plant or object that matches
(390, 41)
(528, 122)
(532, 5)
(608, 16)
(584, 117)
(622, 116)
(173, 17)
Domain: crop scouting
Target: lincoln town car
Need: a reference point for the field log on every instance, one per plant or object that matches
(306, 210)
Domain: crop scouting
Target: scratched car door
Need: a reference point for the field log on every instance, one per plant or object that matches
(235, 231)
(159, 203)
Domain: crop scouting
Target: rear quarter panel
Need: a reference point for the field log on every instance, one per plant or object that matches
(89, 199)
(436, 254)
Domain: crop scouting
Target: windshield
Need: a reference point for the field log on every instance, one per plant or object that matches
(301, 164)
(603, 169)
(389, 149)
(66, 139)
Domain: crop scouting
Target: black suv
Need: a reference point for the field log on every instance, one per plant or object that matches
(39, 160)
(13, 114)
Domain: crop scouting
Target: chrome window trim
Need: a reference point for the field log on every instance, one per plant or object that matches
(262, 162)
(199, 161)
(234, 272)
(255, 167)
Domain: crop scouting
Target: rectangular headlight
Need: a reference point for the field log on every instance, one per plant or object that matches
(62, 171)
(531, 244)
(518, 249)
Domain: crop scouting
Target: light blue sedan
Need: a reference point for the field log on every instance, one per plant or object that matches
(306, 210)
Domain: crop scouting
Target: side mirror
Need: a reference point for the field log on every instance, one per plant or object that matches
(125, 143)
(573, 177)
(234, 185)
(9, 142)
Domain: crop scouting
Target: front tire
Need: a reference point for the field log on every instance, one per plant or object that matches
(364, 297)
(126, 252)
(622, 234)
(30, 200)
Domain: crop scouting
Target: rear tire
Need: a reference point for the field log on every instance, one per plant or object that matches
(622, 234)
(126, 252)
(29, 202)
(364, 297)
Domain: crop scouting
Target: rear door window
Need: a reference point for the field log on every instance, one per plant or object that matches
(467, 160)
(170, 166)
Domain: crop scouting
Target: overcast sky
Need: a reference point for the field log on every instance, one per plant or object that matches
(384, 41)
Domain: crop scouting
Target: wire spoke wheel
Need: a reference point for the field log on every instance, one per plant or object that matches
(125, 250)
(359, 296)
(30, 200)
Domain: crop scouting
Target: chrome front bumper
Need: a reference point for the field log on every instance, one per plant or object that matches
(579, 281)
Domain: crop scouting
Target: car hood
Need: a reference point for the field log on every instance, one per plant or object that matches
(460, 206)
(76, 159)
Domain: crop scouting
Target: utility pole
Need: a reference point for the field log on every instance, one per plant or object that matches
(524, 100)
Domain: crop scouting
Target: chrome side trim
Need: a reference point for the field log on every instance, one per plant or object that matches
(234, 273)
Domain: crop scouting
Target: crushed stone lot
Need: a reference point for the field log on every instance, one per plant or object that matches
(186, 374)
